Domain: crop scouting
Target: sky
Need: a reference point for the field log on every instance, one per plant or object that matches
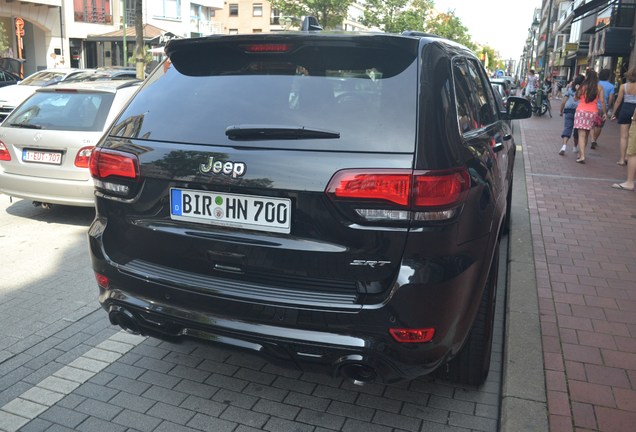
(500, 24)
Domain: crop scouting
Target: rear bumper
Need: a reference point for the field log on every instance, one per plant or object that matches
(322, 352)
(47, 190)
(315, 338)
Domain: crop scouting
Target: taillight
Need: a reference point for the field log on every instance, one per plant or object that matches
(440, 188)
(83, 157)
(110, 163)
(102, 281)
(400, 195)
(404, 335)
(4, 152)
(114, 171)
(388, 186)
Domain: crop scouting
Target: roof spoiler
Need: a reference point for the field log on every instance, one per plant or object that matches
(310, 23)
(418, 33)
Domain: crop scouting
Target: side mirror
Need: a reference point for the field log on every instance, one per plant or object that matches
(518, 108)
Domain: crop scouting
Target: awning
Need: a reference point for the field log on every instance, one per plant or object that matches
(49, 3)
(150, 32)
(591, 7)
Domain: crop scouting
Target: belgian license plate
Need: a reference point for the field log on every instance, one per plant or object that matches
(40, 156)
(232, 210)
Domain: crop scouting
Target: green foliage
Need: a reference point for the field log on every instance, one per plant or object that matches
(391, 16)
(395, 16)
(4, 38)
(448, 25)
(330, 13)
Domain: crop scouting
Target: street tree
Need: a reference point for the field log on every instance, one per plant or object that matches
(448, 25)
(395, 16)
(329, 13)
(4, 39)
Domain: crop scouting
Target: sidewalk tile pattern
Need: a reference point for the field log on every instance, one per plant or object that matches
(66, 368)
(584, 239)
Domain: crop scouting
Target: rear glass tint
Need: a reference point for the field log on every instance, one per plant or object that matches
(366, 94)
(62, 111)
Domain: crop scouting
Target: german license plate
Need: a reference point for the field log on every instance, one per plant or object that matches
(232, 210)
(39, 156)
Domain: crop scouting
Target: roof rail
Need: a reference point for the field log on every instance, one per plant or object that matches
(310, 23)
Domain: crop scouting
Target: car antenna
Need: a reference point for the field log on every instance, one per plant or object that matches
(310, 23)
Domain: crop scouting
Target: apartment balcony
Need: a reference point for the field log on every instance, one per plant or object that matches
(611, 41)
(203, 28)
(93, 16)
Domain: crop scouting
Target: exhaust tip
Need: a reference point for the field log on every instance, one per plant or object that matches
(45, 206)
(358, 373)
(124, 319)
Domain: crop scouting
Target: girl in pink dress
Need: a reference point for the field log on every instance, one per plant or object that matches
(586, 115)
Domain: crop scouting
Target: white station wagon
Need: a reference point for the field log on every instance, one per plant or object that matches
(46, 142)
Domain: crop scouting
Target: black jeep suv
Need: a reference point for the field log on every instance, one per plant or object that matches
(334, 202)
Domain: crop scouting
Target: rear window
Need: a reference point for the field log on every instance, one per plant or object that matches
(62, 111)
(366, 94)
(44, 78)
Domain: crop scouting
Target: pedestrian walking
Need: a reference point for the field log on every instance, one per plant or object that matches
(532, 84)
(587, 113)
(608, 89)
(568, 108)
(628, 184)
(557, 89)
(623, 112)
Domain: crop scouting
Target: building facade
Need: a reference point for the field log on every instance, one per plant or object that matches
(585, 34)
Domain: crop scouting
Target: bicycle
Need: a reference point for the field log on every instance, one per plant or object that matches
(545, 103)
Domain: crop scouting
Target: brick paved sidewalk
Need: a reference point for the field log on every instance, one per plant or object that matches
(584, 239)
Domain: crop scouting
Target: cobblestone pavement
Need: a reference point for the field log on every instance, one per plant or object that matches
(584, 238)
(64, 367)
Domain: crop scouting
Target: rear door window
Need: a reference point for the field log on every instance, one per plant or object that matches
(475, 102)
(366, 95)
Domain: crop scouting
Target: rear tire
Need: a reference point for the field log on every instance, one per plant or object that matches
(471, 365)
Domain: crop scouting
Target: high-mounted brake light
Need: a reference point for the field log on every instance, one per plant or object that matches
(405, 335)
(4, 152)
(83, 157)
(267, 48)
(110, 163)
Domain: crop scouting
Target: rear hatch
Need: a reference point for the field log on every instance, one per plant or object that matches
(55, 130)
(272, 168)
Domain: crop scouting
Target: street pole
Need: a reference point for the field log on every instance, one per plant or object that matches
(125, 47)
(544, 61)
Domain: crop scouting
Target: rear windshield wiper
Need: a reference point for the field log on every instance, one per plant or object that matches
(271, 132)
(26, 126)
